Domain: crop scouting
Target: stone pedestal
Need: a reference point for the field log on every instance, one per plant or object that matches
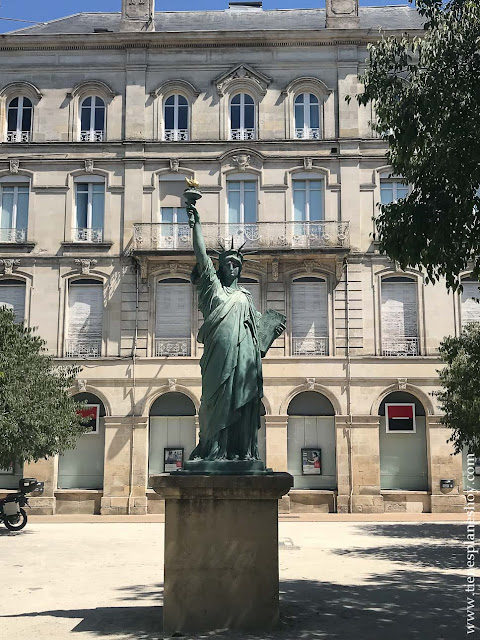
(221, 550)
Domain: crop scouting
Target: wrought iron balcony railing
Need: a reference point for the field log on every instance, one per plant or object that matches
(172, 347)
(92, 136)
(18, 136)
(401, 346)
(242, 134)
(310, 346)
(260, 235)
(83, 348)
(88, 235)
(176, 135)
(308, 133)
(13, 235)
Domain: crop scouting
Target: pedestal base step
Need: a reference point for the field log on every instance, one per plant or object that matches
(223, 468)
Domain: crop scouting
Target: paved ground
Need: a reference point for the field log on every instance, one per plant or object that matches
(339, 581)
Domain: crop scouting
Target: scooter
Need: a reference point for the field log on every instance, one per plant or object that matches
(12, 514)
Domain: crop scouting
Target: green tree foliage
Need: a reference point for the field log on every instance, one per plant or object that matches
(426, 93)
(459, 399)
(37, 416)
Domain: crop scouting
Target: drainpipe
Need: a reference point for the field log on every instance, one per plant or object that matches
(134, 399)
(348, 388)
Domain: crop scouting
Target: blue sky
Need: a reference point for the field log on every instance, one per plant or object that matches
(44, 11)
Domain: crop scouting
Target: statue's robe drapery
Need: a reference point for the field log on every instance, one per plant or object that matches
(232, 385)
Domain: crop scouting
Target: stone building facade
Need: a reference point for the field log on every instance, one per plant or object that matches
(103, 116)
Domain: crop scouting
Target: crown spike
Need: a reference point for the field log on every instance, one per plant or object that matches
(232, 247)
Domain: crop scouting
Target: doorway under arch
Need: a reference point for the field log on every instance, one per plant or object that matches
(403, 443)
(171, 427)
(82, 467)
(311, 428)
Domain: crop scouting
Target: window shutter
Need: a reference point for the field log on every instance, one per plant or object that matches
(13, 297)
(309, 310)
(174, 310)
(470, 308)
(399, 310)
(85, 307)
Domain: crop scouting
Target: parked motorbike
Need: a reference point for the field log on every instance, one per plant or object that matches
(12, 513)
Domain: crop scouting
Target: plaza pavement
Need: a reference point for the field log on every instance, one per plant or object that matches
(341, 578)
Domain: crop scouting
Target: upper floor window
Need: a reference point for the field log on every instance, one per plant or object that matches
(89, 211)
(85, 319)
(175, 113)
(309, 317)
(92, 119)
(173, 318)
(14, 212)
(12, 296)
(19, 119)
(470, 308)
(242, 117)
(392, 188)
(307, 116)
(399, 322)
(242, 201)
(308, 196)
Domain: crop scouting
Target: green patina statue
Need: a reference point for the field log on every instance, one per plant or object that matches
(235, 337)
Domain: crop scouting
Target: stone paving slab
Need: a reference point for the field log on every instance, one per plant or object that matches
(338, 580)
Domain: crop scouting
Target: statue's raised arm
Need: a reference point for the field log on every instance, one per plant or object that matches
(191, 196)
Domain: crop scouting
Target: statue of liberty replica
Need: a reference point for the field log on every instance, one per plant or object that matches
(235, 338)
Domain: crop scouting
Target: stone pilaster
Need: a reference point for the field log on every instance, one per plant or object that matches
(443, 466)
(276, 435)
(365, 451)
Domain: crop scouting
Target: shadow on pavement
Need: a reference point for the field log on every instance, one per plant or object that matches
(421, 530)
(403, 605)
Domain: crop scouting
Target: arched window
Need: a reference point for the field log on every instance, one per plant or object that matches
(175, 113)
(309, 304)
(85, 319)
(19, 119)
(242, 117)
(82, 467)
(12, 296)
(92, 119)
(89, 211)
(399, 317)
(307, 116)
(311, 442)
(470, 307)
(173, 333)
(14, 198)
(392, 188)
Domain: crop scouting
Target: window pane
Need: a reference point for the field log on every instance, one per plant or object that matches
(182, 101)
(236, 99)
(85, 117)
(316, 204)
(249, 116)
(7, 208)
(235, 115)
(250, 206)
(169, 117)
(26, 118)
(386, 191)
(167, 214)
(22, 208)
(402, 191)
(248, 99)
(170, 101)
(82, 205)
(98, 207)
(234, 207)
(299, 204)
(13, 103)
(314, 115)
(12, 117)
(299, 116)
(313, 99)
(299, 99)
(99, 118)
(182, 217)
(27, 103)
(183, 117)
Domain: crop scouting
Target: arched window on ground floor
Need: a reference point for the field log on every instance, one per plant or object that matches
(311, 441)
(403, 443)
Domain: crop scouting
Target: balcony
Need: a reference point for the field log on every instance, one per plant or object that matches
(176, 135)
(242, 134)
(401, 347)
(13, 235)
(88, 235)
(83, 348)
(307, 133)
(18, 136)
(173, 347)
(260, 236)
(92, 136)
(310, 346)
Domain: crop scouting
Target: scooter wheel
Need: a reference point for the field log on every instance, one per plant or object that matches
(16, 522)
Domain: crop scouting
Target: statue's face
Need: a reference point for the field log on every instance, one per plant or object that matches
(230, 271)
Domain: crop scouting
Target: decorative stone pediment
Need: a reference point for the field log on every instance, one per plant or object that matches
(85, 265)
(242, 75)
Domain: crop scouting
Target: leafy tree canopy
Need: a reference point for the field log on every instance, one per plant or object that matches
(459, 399)
(426, 93)
(37, 416)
